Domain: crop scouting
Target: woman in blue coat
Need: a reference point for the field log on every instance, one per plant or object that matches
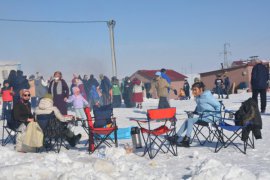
(205, 102)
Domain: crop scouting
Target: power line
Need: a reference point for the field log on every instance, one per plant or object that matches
(110, 23)
(50, 21)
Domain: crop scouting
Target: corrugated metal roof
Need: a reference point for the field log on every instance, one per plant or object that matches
(150, 74)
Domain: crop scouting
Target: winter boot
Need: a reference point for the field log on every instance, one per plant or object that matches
(184, 142)
(74, 140)
(77, 139)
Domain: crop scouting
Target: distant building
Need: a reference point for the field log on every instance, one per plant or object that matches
(146, 76)
(239, 73)
(5, 67)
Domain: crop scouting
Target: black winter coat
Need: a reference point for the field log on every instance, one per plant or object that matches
(259, 76)
(249, 114)
(22, 111)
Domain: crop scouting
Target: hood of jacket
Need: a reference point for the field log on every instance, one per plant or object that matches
(45, 103)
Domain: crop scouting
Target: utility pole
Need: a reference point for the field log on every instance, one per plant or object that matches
(225, 54)
(111, 25)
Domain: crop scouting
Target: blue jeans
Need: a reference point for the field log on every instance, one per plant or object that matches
(219, 91)
(188, 125)
(7, 105)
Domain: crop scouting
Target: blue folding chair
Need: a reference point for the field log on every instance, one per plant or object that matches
(228, 133)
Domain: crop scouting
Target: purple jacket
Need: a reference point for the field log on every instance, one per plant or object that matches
(78, 101)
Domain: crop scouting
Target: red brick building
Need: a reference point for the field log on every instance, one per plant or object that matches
(240, 72)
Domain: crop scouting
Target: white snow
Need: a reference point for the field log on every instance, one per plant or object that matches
(197, 162)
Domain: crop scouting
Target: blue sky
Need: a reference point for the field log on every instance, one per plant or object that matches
(184, 35)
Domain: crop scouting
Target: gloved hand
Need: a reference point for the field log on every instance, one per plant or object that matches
(175, 92)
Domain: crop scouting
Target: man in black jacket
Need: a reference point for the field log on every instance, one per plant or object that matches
(259, 78)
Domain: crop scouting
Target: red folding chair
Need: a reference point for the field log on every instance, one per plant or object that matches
(156, 139)
(100, 135)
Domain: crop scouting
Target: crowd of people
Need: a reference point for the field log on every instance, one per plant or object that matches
(36, 95)
(28, 97)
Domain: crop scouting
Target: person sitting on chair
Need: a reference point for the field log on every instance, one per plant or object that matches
(22, 115)
(46, 107)
(205, 102)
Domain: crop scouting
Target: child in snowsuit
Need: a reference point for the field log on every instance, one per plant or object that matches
(78, 103)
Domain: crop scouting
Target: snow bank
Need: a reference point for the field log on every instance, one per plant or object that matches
(212, 169)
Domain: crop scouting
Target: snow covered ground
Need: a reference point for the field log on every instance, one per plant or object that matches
(197, 162)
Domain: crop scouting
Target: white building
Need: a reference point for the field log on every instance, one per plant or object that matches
(6, 67)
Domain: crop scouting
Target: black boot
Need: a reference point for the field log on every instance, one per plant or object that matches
(184, 142)
(73, 141)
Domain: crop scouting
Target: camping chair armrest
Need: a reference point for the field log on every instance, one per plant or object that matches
(214, 115)
(191, 114)
(207, 113)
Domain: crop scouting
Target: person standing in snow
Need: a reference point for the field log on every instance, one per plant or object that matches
(41, 87)
(137, 96)
(161, 86)
(92, 81)
(127, 93)
(86, 86)
(7, 97)
(166, 77)
(116, 92)
(259, 78)
(58, 88)
(94, 97)
(227, 85)
(186, 89)
(106, 89)
(77, 82)
(219, 85)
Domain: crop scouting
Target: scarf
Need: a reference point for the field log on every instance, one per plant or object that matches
(58, 88)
